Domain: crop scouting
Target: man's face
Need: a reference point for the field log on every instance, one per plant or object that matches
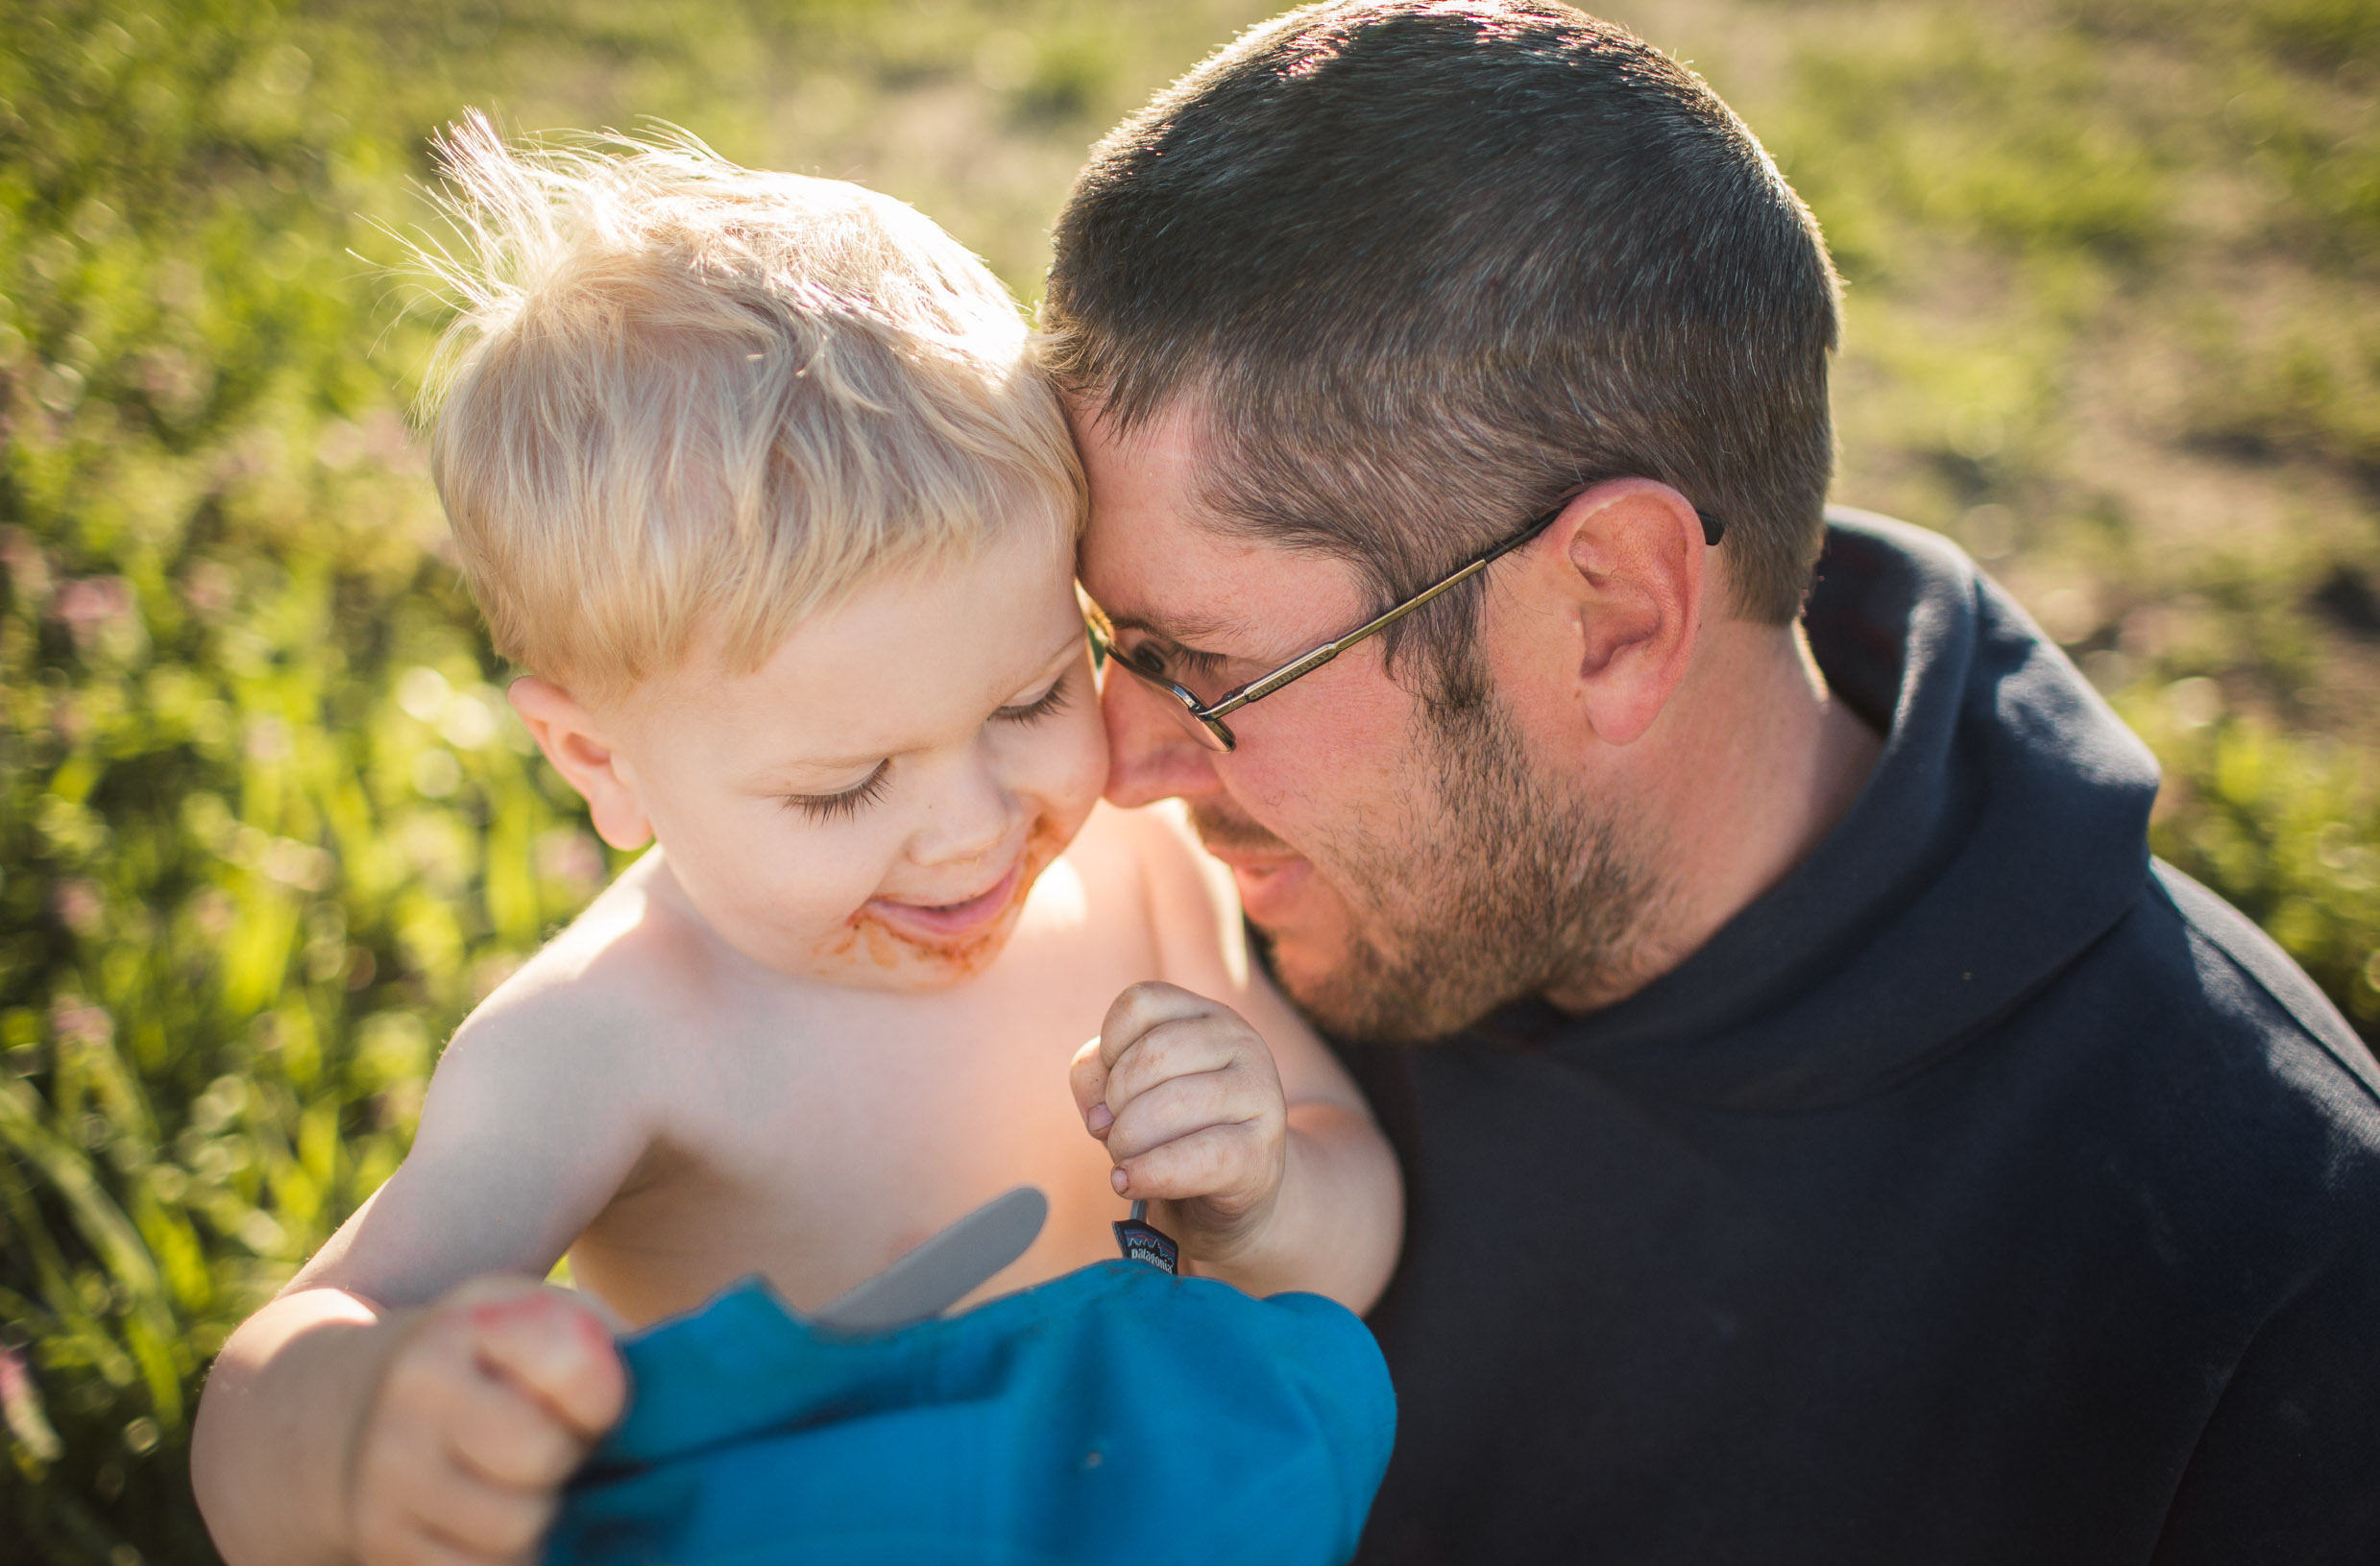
(1410, 871)
(872, 805)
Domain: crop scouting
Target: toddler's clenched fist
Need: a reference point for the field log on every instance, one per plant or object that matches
(1186, 1096)
(489, 1400)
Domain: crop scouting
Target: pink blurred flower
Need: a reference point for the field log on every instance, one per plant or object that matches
(20, 1404)
(91, 606)
(79, 907)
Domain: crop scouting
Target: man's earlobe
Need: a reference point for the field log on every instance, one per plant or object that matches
(1637, 552)
(580, 749)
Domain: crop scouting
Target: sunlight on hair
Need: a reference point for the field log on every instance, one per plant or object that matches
(686, 403)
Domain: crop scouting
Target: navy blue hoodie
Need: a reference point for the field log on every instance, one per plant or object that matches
(1987, 1192)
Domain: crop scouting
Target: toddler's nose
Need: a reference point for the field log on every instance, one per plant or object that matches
(972, 816)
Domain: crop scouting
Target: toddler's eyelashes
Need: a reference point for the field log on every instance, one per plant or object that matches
(842, 806)
(1041, 706)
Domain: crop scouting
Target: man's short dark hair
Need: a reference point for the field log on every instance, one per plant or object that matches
(1421, 267)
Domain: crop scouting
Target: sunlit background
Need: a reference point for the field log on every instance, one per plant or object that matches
(267, 828)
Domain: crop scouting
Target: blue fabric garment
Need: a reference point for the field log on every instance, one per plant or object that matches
(1115, 1414)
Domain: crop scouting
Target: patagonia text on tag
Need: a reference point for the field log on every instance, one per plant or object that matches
(1140, 1242)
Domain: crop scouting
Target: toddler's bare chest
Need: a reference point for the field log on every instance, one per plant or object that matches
(816, 1161)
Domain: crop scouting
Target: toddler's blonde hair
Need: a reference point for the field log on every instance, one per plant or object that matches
(689, 400)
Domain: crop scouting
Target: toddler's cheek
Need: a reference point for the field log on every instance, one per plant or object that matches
(798, 914)
(1079, 771)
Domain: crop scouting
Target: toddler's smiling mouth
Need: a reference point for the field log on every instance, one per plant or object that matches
(943, 921)
(943, 942)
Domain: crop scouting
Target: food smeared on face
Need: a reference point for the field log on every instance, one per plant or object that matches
(928, 945)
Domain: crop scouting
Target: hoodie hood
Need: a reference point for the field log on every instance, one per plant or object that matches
(2003, 832)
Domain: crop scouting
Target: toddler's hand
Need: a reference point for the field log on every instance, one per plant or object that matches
(488, 1402)
(1187, 1099)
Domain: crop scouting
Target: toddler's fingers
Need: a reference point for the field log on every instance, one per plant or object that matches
(1175, 1109)
(502, 1435)
(1141, 1007)
(392, 1474)
(415, 1546)
(484, 1523)
(557, 1350)
(417, 1504)
(1184, 1047)
(1223, 1165)
(427, 1525)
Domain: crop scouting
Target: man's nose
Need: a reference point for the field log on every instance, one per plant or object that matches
(1151, 755)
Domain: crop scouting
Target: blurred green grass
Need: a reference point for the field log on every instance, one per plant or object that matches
(267, 827)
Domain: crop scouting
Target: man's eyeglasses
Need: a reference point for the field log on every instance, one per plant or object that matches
(1205, 720)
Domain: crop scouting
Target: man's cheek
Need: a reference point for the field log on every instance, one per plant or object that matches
(1309, 929)
(1316, 972)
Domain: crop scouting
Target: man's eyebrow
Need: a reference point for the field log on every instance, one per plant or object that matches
(1185, 630)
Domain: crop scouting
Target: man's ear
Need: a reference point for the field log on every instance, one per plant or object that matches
(572, 740)
(1635, 584)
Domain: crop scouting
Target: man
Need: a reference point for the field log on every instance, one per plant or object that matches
(1828, 1138)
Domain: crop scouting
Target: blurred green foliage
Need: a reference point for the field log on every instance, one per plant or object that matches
(2111, 283)
(2287, 828)
(265, 827)
(268, 829)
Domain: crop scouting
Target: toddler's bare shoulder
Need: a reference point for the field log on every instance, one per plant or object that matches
(619, 976)
(1184, 896)
(1114, 852)
(1149, 839)
(1183, 879)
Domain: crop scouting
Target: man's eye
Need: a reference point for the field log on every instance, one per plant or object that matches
(1162, 664)
(842, 806)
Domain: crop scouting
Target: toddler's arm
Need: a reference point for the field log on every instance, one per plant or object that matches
(416, 1394)
(1219, 1104)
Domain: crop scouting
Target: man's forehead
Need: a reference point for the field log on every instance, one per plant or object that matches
(1147, 577)
(1151, 474)
(1159, 559)
(1163, 572)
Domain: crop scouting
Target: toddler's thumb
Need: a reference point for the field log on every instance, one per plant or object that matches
(1087, 1077)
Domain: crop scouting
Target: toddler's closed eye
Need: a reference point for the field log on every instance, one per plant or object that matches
(1040, 706)
(845, 806)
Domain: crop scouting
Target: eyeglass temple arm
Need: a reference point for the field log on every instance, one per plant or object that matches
(1259, 690)
(1328, 650)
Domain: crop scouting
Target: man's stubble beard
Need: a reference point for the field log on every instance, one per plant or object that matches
(1491, 890)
